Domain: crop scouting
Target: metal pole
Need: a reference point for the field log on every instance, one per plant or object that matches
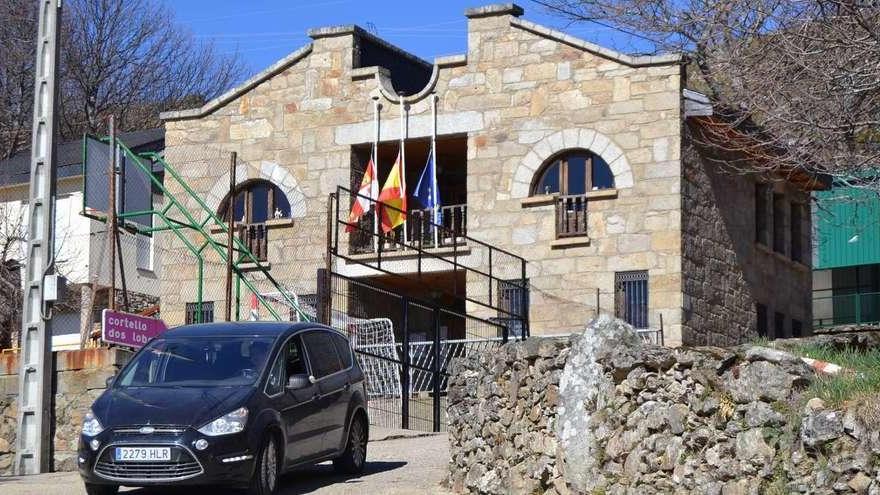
(35, 359)
(111, 216)
(230, 210)
(434, 157)
(436, 369)
(661, 330)
(404, 192)
(404, 371)
(376, 107)
(524, 298)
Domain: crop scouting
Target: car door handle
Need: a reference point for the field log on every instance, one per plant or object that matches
(347, 386)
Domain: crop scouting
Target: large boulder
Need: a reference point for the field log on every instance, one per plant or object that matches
(584, 389)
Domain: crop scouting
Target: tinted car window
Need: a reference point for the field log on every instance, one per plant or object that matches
(275, 383)
(294, 359)
(197, 362)
(343, 349)
(322, 354)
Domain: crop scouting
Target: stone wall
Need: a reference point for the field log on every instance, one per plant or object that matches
(601, 413)
(79, 379)
(725, 271)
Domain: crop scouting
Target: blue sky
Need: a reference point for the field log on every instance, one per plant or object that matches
(263, 31)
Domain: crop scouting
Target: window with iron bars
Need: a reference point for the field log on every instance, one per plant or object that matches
(631, 297)
(513, 299)
(192, 312)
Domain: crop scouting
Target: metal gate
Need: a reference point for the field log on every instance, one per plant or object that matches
(405, 344)
(405, 348)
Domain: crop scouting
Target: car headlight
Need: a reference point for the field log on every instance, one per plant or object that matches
(227, 424)
(91, 426)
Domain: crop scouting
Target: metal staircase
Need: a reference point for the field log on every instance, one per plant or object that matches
(176, 218)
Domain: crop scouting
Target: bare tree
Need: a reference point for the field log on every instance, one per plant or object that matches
(795, 83)
(130, 58)
(126, 57)
(17, 46)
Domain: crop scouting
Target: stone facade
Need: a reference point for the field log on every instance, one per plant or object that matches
(521, 94)
(80, 377)
(726, 273)
(602, 413)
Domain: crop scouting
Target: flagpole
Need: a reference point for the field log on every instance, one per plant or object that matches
(434, 192)
(375, 158)
(403, 167)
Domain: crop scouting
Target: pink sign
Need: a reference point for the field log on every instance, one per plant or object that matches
(128, 329)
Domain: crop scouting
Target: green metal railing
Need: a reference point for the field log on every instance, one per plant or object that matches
(211, 222)
(846, 309)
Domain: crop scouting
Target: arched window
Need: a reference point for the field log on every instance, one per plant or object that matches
(255, 202)
(573, 173)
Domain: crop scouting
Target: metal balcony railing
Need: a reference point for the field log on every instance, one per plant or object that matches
(255, 237)
(571, 216)
(846, 309)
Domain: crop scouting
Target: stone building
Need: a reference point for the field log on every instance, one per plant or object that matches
(568, 154)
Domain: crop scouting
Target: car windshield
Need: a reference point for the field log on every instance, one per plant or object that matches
(197, 362)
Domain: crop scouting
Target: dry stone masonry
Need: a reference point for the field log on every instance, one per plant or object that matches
(602, 413)
(80, 377)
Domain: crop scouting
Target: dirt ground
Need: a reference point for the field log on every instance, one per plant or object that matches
(395, 465)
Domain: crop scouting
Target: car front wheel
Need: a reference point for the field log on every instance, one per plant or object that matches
(266, 473)
(92, 489)
(354, 457)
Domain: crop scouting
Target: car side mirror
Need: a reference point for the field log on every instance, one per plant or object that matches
(299, 381)
(109, 381)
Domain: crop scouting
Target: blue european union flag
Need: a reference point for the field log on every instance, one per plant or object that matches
(427, 191)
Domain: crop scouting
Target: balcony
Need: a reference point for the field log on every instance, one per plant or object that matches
(571, 216)
(255, 237)
(450, 231)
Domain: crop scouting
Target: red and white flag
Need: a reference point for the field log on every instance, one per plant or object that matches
(368, 194)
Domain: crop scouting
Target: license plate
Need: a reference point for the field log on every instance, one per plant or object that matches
(143, 454)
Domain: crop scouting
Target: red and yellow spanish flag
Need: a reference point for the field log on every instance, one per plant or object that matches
(393, 194)
(367, 194)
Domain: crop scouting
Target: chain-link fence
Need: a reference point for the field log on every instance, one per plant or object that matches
(171, 248)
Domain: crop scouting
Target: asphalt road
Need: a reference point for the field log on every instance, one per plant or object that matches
(395, 466)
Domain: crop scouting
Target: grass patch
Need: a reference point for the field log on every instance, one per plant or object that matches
(840, 390)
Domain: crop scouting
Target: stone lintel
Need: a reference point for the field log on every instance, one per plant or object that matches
(493, 10)
(570, 242)
(540, 200)
(419, 126)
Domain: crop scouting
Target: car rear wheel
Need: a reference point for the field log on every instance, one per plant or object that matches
(354, 457)
(266, 473)
(92, 489)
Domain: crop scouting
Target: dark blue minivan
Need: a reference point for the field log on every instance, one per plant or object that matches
(227, 404)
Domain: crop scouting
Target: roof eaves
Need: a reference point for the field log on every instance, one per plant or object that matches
(237, 91)
(637, 61)
(696, 104)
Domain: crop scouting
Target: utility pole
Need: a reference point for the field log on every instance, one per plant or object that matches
(111, 216)
(230, 211)
(35, 358)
